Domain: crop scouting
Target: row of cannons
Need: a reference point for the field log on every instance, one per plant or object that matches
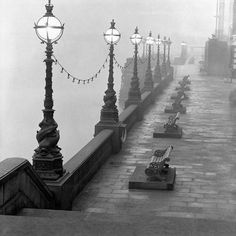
(158, 174)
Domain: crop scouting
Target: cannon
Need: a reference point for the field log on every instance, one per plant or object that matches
(171, 125)
(158, 168)
(157, 174)
(183, 87)
(169, 129)
(183, 84)
(186, 79)
(176, 106)
(179, 94)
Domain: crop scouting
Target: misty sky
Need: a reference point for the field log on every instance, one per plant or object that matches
(82, 51)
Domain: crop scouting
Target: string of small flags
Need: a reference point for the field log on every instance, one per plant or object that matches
(142, 62)
(75, 79)
(122, 67)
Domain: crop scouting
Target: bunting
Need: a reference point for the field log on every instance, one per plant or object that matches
(76, 79)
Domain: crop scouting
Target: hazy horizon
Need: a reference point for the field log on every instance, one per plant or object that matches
(82, 50)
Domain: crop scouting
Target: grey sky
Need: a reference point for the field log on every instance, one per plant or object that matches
(82, 50)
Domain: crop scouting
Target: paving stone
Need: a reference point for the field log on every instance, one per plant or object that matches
(204, 159)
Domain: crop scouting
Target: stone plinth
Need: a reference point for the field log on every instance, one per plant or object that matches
(140, 181)
(174, 96)
(171, 109)
(161, 132)
(186, 88)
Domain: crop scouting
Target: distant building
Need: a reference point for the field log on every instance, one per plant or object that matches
(217, 57)
(183, 55)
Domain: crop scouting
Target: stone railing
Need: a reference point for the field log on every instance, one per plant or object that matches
(81, 168)
(21, 187)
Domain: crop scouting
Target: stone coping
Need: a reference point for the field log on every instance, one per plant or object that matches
(80, 157)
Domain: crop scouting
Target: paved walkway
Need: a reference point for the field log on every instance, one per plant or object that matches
(205, 159)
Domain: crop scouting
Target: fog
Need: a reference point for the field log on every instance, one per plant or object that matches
(81, 50)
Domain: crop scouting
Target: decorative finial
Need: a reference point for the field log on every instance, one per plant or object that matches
(158, 36)
(150, 34)
(113, 24)
(49, 9)
(136, 30)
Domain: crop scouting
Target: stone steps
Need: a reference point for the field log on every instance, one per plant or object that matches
(47, 222)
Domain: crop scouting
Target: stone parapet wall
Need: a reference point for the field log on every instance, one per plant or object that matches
(20, 187)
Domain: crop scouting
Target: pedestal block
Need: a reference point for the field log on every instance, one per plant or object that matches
(174, 96)
(171, 109)
(161, 132)
(139, 180)
(187, 88)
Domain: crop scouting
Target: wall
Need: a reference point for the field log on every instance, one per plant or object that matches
(21, 187)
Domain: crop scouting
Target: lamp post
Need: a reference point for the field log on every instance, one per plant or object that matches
(134, 95)
(47, 159)
(157, 71)
(168, 53)
(148, 83)
(164, 41)
(109, 112)
(109, 118)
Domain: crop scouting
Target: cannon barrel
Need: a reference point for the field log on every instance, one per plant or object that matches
(177, 116)
(156, 164)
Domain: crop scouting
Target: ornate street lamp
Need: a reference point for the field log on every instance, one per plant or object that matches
(109, 118)
(134, 95)
(168, 55)
(109, 112)
(47, 159)
(157, 71)
(164, 42)
(148, 83)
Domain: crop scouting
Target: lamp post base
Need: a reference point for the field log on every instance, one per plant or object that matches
(48, 167)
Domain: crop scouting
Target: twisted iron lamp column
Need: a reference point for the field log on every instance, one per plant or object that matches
(134, 95)
(164, 59)
(168, 54)
(157, 72)
(109, 112)
(148, 83)
(47, 159)
(134, 92)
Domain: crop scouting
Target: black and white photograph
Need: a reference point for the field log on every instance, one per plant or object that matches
(118, 118)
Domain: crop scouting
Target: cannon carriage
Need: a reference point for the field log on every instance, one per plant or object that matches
(176, 106)
(157, 174)
(179, 94)
(170, 129)
(157, 169)
(183, 84)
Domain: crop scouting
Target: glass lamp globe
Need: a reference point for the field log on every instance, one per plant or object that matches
(149, 39)
(164, 41)
(112, 35)
(158, 40)
(49, 28)
(136, 38)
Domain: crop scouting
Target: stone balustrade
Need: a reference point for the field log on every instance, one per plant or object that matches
(21, 187)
